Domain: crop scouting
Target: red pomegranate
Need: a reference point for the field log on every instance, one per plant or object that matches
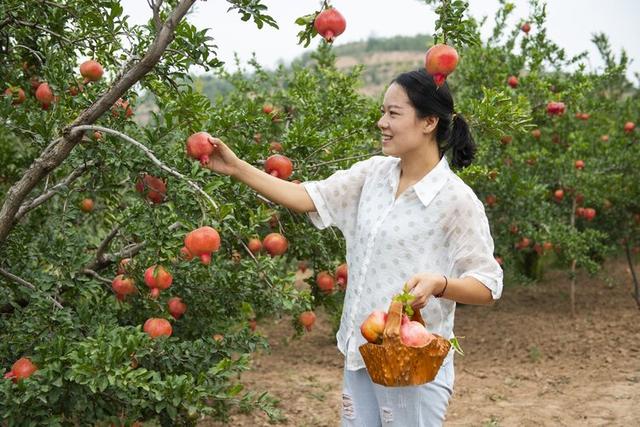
(176, 307)
(558, 195)
(629, 127)
(555, 108)
(156, 327)
(275, 147)
(86, 205)
(506, 139)
(275, 244)
(123, 286)
(330, 24)
(440, 61)
(579, 164)
(17, 95)
(267, 109)
(91, 70)
(44, 94)
(152, 188)
(202, 242)
(121, 106)
(325, 282)
(76, 89)
(526, 27)
(307, 319)
(254, 245)
(199, 147)
(21, 369)
(342, 274)
(303, 265)
(536, 133)
(157, 277)
(512, 81)
(279, 166)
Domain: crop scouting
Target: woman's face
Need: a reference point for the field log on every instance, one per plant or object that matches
(402, 131)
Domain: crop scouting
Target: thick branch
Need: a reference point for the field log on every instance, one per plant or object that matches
(34, 203)
(54, 155)
(26, 284)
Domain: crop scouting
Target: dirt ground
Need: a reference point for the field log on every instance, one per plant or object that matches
(526, 362)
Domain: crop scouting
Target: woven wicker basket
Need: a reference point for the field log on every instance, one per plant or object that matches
(393, 364)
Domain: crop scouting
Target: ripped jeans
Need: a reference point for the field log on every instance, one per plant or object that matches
(366, 404)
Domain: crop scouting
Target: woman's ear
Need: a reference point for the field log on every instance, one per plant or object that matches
(429, 124)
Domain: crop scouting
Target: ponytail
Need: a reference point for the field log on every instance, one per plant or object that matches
(461, 143)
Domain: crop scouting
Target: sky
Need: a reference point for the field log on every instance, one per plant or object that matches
(570, 24)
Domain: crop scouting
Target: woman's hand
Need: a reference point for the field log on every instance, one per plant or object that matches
(222, 159)
(422, 286)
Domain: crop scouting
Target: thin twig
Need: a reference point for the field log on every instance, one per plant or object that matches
(317, 165)
(95, 275)
(34, 203)
(152, 157)
(26, 284)
(41, 28)
(35, 53)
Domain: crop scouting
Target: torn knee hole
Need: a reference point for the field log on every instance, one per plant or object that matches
(348, 409)
(387, 415)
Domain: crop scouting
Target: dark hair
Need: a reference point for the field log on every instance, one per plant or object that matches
(429, 100)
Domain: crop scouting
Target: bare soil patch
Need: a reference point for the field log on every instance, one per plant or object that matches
(527, 361)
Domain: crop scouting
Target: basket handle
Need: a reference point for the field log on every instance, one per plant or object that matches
(394, 320)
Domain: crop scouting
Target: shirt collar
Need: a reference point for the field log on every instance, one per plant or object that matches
(430, 185)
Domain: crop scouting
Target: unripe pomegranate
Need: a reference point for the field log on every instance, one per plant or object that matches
(17, 95)
(156, 327)
(121, 106)
(176, 307)
(526, 27)
(325, 282)
(629, 127)
(330, 24)
(157, 277)
(199, 147)
(279, 166)
(152, 188)
(536, 133)
(254, 245)
(21, 369)
(86, 205)
(555, 108)
(44, 94)
(512, 81)
(202, 242)
(342, 275)
(414, 334)
(123, 286)
(373, 326)
(275, 244)
(91, 70)
(307, 319)
(440, 61)
(579, 164)
(275, 146)
(122, 265)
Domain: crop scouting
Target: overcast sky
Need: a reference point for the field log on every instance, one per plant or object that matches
(570, 23)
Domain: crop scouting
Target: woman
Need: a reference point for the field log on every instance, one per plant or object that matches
(406, 218)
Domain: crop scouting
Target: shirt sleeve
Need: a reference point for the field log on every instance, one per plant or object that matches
(337, 197)
(472, 246)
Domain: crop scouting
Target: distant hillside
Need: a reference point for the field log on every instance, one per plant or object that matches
(382, 58)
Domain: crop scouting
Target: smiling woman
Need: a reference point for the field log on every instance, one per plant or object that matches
(406, 218)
